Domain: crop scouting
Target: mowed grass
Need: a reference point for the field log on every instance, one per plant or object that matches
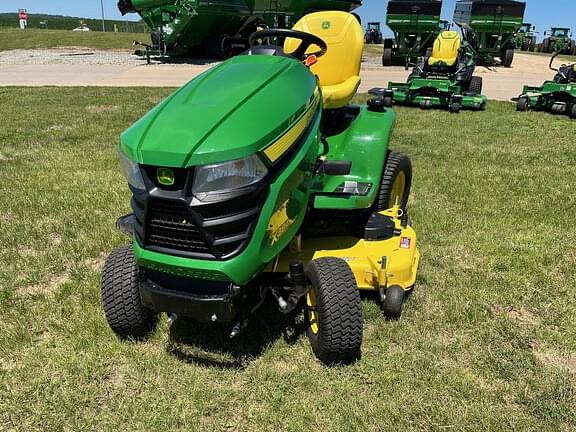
(34, 39)
(487, 341)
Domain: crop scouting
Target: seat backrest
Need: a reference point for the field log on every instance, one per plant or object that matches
(446, 49)
(345, 39)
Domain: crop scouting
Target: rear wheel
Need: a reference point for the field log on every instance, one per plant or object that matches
(124, 311)
(573, 112)
(334, 311)
(523, 104)
(475, 85)
(508, 57)
(387, 57)
(396, 182)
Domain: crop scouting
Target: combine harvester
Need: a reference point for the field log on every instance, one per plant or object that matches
(416, 24)
(218, 28)
(494, 24)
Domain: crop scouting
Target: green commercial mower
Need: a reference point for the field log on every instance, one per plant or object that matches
(258, 179)
(495, 24)
(415, 24)
(444, 79)
(218, 28)
(557, 96)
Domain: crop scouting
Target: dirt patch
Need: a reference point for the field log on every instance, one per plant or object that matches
(520, 315)
(555, 359)
(97, 109)
(48, 288)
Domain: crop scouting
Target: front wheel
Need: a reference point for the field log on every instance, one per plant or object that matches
(523, 104)
(573, 112)
(124, 311)
(396, 182)
(334, 311)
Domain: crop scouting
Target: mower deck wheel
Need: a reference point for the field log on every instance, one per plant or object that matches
(523, 104)
(573, 112)
(393, 302)
(124, 311)
(426, 104)
(396, 182)
(388, 101)
(455, 107)
(333, 311)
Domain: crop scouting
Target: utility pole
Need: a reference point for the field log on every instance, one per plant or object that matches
(103, 22)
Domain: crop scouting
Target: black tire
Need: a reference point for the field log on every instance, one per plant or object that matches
(546, 45)
(393, 302)
(455, 107)
(387, 57)
(523, 104)
(573, 112)
(338, 336)
(508, 57)
(475, 85)
(396, 164)
(124, 311)
(388, 101)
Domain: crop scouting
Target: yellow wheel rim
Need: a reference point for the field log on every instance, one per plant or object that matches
(398, 188)
(311, 309)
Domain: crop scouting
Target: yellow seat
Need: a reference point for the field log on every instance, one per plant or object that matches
(446, 49)
(339, 69)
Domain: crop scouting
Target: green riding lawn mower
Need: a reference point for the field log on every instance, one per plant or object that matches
(259, 181)
(557, 96)
(444, 79)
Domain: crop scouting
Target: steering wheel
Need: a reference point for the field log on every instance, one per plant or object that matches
(306, 40)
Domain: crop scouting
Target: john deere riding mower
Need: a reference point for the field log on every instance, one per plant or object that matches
(415, 24)
(259, 179)
(494, 24)
(444, 79)
(557, 96)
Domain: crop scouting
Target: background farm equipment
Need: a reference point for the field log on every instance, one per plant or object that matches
(218, 29)
(559, 40)
(526, 38)
(495, 24)
(415, 24)
(373, 33)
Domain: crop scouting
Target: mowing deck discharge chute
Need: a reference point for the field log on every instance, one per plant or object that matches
(494, 24)
(415, 24)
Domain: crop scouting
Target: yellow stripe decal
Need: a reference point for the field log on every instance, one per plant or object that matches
(276, 150)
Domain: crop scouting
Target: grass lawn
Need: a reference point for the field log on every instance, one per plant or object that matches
(34, 39)
(487, 342)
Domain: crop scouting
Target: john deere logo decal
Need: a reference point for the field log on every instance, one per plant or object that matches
(165, 176)
(326, 25)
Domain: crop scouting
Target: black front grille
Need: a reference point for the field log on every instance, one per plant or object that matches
(171, 226)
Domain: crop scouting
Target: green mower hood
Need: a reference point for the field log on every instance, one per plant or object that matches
(229, 112)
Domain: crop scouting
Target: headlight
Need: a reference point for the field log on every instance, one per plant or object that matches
(131, 171)
(224, 180)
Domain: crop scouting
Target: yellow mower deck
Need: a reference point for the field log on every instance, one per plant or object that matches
(376, 264)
